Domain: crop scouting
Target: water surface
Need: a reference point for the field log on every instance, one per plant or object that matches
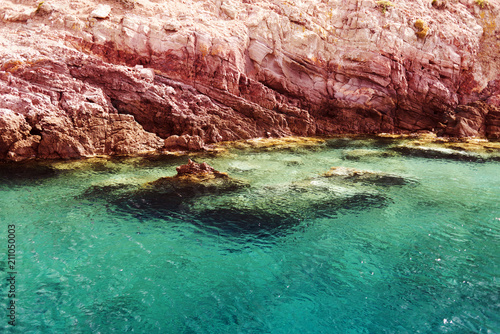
(293, 252)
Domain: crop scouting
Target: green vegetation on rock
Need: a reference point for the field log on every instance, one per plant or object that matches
(482, 3)
(422, 27)
(384, 5)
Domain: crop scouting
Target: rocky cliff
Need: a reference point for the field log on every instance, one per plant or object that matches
(80, 78)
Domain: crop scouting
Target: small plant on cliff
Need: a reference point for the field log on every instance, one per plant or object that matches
(482, 3)
(422, 27)
(384, 4)
(39, 7)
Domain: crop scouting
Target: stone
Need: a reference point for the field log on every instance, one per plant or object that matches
(433, 152)
(195, 179)
(422, 28)
(101, 11)
(470, 120)
(229, 9)
(193, 168)
(184, 142)
(24, 149)
(347, 174)
(46, 8)
(172, 25)
(145, 73)
(13, 128)
(18, 16)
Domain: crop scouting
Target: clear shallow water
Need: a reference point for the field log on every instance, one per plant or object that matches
(292, 253)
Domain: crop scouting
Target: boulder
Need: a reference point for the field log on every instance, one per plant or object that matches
(13, 129)
(18, 15)
(436, 152)
(101, 11)
(346, 174)
(195, 179)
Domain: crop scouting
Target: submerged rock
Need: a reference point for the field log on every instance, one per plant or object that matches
(196, 179)
(104, 191)
(431, 146)
(26, 172)
(271, 215)
(209, 198)
(242, 167)
(277, 209)
(363, 154)
(438, 153)
(271, 144)
(369, 177)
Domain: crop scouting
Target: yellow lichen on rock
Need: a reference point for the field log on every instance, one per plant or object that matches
(384, 5)
(273, 143)
(482, 3)
(422, 27)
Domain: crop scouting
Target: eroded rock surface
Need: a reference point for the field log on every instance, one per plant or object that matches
(353, 175)
(177, 75)
(195, 179)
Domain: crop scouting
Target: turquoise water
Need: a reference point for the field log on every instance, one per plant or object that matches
(293, 252)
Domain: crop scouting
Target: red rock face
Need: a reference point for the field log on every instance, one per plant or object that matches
(48, 114)
(137, 81)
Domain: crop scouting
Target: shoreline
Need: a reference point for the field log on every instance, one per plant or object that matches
(425, 140)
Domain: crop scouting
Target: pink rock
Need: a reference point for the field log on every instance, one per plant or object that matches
(195, 168)
(157, 76)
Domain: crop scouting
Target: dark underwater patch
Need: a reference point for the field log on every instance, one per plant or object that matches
(22, 173)
(104, 192)
(269, 216)
(360, 142)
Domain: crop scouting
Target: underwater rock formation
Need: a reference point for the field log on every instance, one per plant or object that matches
(243, 208)
(369, 177)
(465, 149)
(78, 79)
(194, 179)
(196, 169)
(438, 153)
(240, 207)
(363, 154)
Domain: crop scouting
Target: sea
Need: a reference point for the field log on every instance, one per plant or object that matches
(349, 235)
